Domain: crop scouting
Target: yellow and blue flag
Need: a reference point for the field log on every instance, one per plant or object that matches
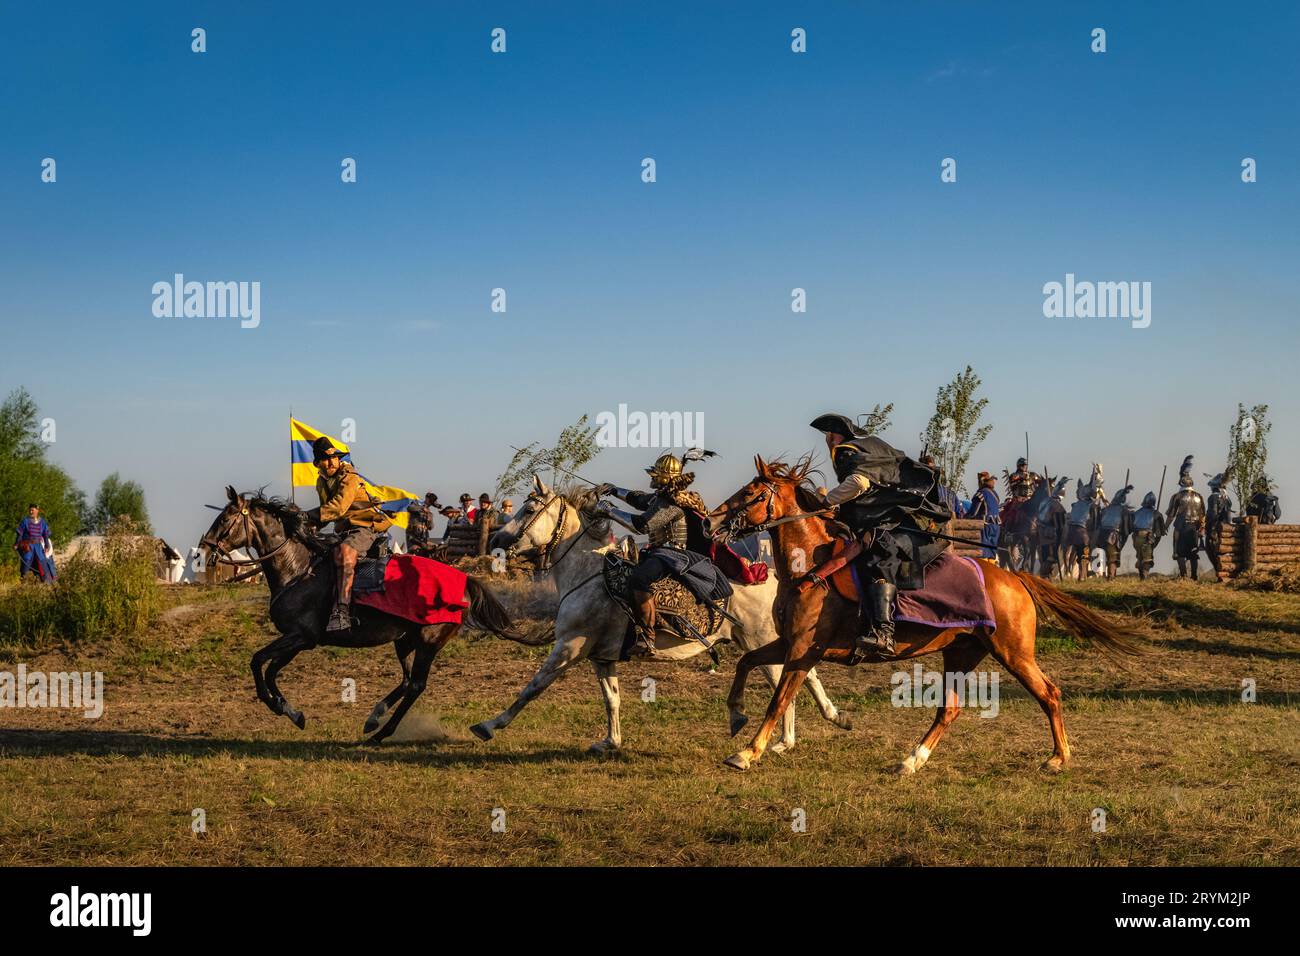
(393, 501)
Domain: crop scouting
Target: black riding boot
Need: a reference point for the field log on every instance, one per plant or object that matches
(876, 621)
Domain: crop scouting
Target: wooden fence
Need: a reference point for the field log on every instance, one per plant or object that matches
(1251, 546)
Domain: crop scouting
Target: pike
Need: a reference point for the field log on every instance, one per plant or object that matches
(559, 467)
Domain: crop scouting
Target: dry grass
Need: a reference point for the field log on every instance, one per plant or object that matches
(1186, 772)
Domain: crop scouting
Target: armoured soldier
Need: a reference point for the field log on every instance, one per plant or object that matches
(1116, 524)
(1185, 517)
(673, 519)
(1263, 503)
(1079, 528)
(1021, 482)
(420, 523)
(1051, 530)
(1148, 529)
(1218, 512)
(891, 502)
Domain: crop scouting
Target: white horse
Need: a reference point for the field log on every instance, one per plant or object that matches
(565, 537)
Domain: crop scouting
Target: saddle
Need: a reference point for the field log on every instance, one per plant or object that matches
(369, 574)
(677, 610)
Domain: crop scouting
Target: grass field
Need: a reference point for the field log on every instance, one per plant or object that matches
(1185, 771)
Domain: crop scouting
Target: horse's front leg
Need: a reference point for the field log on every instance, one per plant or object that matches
(273, 700)
(802, 656)
(278, 660)
(768, 654)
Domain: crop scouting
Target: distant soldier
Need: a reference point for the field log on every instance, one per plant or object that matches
(1079, 527)
(1263, 503)
(986, 505)
(1021, 482)
(1148, 529)
(1185, 518)
(1116, 524)
(420, 523)
(1218, 512)
(1051, 530)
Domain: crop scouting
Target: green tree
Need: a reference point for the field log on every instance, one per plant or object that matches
(954, 429)
(575, 447)
(26, 476)
(1248, 450)
(117, 499)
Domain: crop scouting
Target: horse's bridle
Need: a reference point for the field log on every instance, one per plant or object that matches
(224, 557)
(737, 525)
(545, 551)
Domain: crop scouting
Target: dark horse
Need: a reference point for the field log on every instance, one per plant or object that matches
(300, 572)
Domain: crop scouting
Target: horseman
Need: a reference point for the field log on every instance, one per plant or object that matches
(1051, 529)
(1186, 519)
(1021, 482)
(1218, 512)
(986, 505)
(1148, 529)
(357, 519)
(1116, 523)
(890, 502)
(672, 517)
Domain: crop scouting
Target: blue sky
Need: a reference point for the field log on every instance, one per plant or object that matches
(522, 171)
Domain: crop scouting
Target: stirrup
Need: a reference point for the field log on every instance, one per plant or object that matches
(340, 619)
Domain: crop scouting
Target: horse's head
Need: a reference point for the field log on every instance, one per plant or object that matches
(770, 495)
(535, 528)
(253, 523)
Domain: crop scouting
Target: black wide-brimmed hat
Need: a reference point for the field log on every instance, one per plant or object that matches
(837, 424)
(323, 448)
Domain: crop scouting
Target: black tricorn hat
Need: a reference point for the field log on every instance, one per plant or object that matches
(323, 448)
(838, 424)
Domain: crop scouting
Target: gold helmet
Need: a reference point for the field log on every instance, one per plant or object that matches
(666, 470)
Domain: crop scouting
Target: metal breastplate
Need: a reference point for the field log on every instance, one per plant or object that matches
(671, 534)
(1144, 520)
(1189, 509)
(1112, 518)
(1080, 511)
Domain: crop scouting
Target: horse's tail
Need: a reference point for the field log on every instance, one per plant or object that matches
(487, 613)
(1117, 640)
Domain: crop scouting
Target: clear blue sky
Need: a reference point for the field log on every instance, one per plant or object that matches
(522, 171)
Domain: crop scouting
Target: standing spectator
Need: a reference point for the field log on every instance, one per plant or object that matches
(485, 511)
(35, 550)
(466, 510)
(1263, 503)
(507, 511)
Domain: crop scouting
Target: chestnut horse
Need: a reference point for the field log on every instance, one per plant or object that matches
(817, 624)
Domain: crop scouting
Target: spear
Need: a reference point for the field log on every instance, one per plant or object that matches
(559, 467)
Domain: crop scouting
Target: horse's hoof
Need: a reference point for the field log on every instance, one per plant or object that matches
(602, 748)
(481, 731)
(780, 747)
(737, 761)
(298, 719)
(906, 768)
(371, 725)
(842, 721)
(1053, 765)
(738, 722)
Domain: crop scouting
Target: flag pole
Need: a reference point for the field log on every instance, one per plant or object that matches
(291, 498)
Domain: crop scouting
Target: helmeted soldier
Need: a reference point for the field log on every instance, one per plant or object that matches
(1021, 482)
(672, 517)
(1185, 518)
(890, 501)
(1263, 503)
(1052, 520)
(1148, 529)
(1079, 528)
(1218, 512)
(1114, 527)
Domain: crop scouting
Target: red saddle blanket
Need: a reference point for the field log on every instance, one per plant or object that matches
(735, 567)
(420, 590)
(953, 596)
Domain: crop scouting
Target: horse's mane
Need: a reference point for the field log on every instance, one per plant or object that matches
(289, 514)
(799, 475)
(584, 499)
